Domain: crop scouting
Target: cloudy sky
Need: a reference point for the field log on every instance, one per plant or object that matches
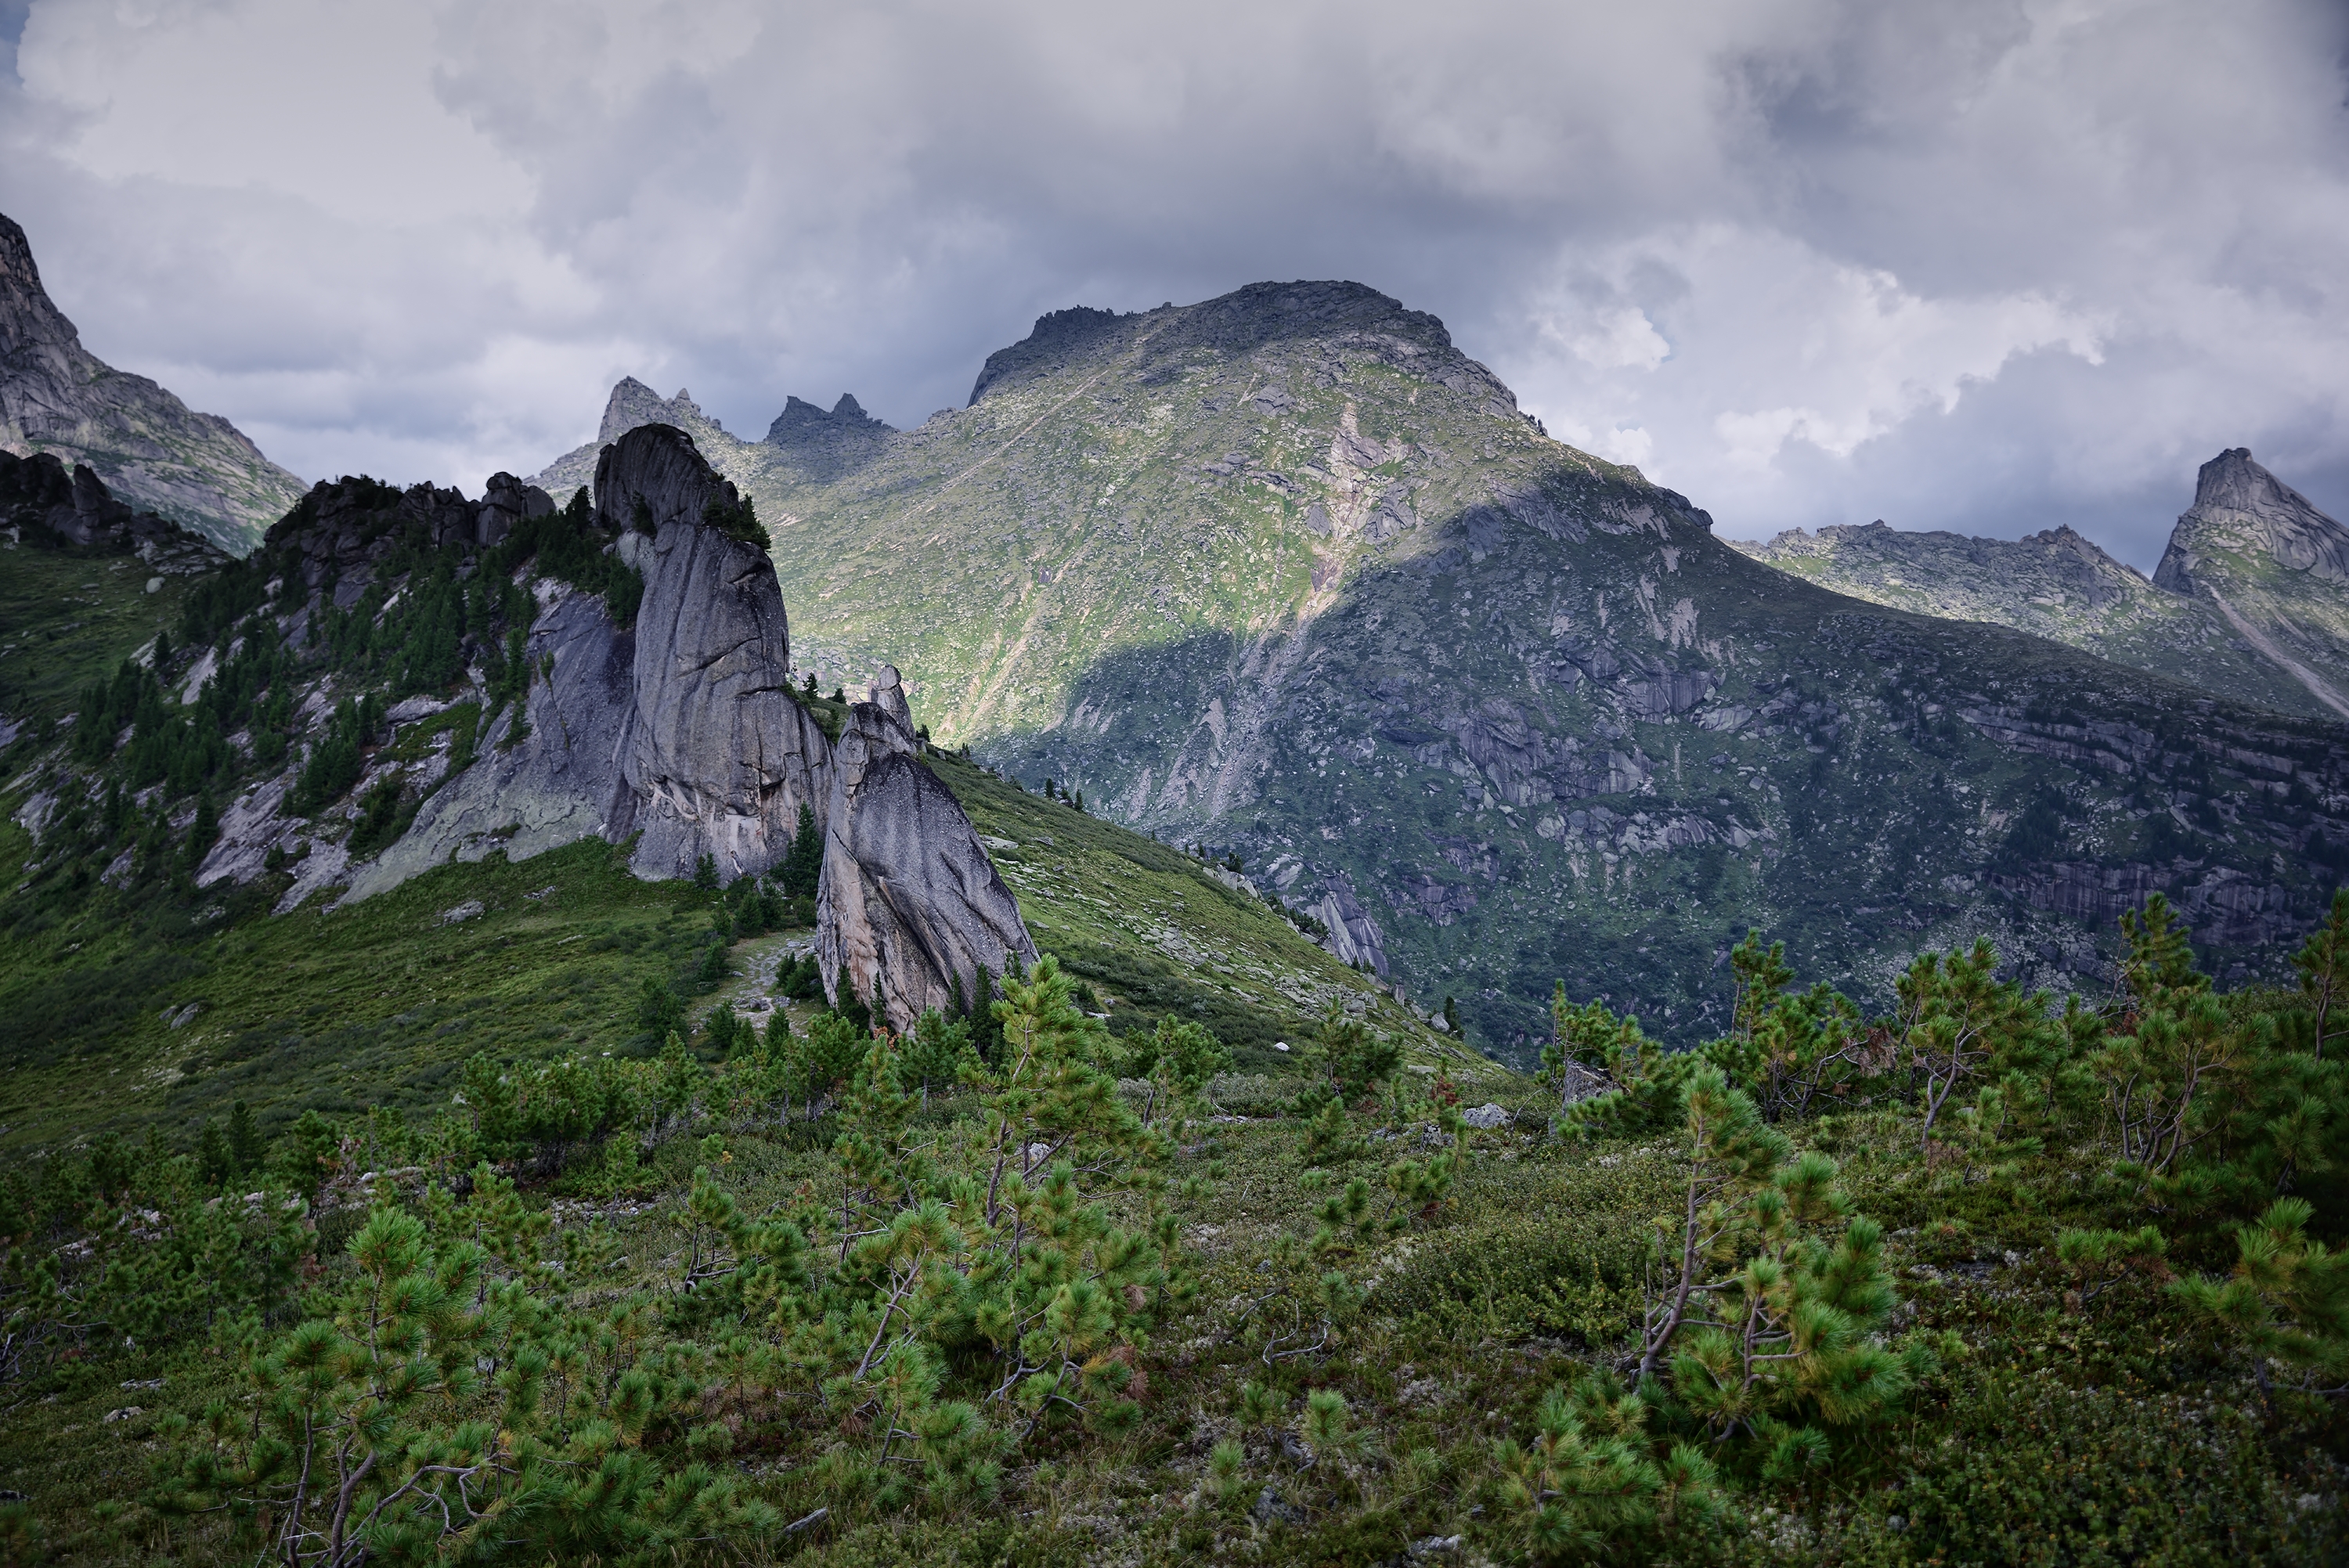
(1982, 264)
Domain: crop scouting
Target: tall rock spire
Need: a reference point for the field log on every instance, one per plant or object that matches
(2274, 565)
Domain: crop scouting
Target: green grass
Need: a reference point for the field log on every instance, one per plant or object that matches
(1146, 924)
(379, 1003)
(68, 618)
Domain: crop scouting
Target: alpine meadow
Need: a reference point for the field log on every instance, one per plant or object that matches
(1226, 953)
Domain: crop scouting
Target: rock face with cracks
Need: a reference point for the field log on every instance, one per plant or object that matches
(683, 732)
(717, 754)
(910, 907)
(556, 783)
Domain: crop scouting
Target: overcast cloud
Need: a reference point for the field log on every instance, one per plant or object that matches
(1988, 265)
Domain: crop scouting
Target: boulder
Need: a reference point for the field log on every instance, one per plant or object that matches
(505, 504)
(1485, 1117)
(909, 905)
(888, 694)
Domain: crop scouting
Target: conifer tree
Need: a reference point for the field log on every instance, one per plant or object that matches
(373, 1434)
(2286, 1303)
(1770, 1295)
(678, 1079)
(987, 1030)
(835, 1043)
(246, 1149)
(2323, 965)
(1590, 1485)
(1959, 1024)
(659, 1012)
(2165, 1084)
(937, 1050)
(802, 865)
(215, 1163)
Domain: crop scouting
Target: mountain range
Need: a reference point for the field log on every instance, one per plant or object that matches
(1286, 578)
(445, 1098)
(1287, 575)
(2251, 600)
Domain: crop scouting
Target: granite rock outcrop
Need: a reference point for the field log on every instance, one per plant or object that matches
(39, 493)
(716, 752)
(679, 732)
(910, 907)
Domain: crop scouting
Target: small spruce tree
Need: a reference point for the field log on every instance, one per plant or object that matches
(246, 1148)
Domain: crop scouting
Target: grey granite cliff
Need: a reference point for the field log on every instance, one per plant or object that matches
(679, 732)
(910, 906)
(718, 755)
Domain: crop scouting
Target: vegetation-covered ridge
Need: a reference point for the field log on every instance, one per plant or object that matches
(374, 638)
(2054, 584)
(1287, 575)
(1982, 1279)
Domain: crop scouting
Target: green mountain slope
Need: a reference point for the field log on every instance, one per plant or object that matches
(146, 985)
(1286, 573)
(2053, 585)
(136, 1009)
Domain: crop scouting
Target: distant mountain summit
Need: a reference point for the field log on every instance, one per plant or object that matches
(2251, 600)
(804, 445)
(151, 450)
(2055, 584)
(2277, 569)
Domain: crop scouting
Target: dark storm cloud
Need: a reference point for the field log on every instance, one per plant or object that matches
(1979, 265)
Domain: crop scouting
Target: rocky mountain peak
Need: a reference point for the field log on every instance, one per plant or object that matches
(2233, 480)
(2238, 503)
(1249, 318)
(151, 451)
(1055, 336)
(2273, 566)
(29, 320)
(632, 403)
(1336, 314)
(802, 421)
